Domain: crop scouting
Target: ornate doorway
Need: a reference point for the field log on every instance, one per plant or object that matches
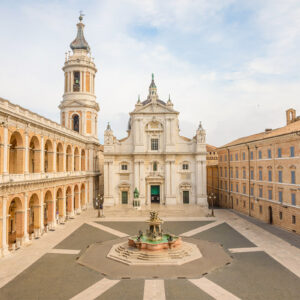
(155, 194)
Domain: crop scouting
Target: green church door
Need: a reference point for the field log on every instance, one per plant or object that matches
(155, 194)
(124, 197)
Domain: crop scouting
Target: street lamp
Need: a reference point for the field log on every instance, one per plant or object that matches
(212, 197)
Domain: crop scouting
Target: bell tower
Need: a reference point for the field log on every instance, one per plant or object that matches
(79, 109)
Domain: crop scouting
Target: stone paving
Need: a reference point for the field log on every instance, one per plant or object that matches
(48, 268)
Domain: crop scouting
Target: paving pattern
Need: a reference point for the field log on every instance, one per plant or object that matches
(259, 269)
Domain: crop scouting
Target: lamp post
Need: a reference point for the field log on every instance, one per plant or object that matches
(212, 197)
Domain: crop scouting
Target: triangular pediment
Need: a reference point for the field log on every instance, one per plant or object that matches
(151, 108)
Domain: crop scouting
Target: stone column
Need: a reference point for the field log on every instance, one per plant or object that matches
(26, 171)
(72, 160)
(173, 183)
(136, 175)
(79, 202)
(72, 202)
(42, 213)
(86, 159)
(26, 237)
(64, 158)
(142, 182)
(79, 159)
(5, 150)
(42, 155)
(54, 157)
(4, 249)
(167, 179)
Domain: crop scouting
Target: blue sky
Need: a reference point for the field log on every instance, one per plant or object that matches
(234, 65)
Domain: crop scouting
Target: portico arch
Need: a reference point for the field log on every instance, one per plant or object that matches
(76, 159)
(82, 195)
(69, 200)
(48, 157)
(59, 204)
(59, 158)
(15, 227)
(33, 214)
(34, 155)
(16, 154)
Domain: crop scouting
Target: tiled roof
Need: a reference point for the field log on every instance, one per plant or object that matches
(290, 128)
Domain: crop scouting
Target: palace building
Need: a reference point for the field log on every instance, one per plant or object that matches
(49, 172)
(259, 175)
(164, 166)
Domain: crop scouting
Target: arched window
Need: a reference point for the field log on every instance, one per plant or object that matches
(75, 123)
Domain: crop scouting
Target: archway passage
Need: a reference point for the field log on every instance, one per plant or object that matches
(33, 214)
(82, 196)
(48, 157)
(59, 211)
(69, 201)
(270, 215)
(155, 194)
(48, 208)
(76, 159)
(82, 160)
(34, 155)
(15, 228)
(59, 158)
(69, 158)
(16, 154)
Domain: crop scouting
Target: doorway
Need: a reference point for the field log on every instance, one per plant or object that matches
(270, 215)
(186, 197)
(155, 194)
(124, 197)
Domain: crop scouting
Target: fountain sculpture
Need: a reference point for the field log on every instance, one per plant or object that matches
(154, 239)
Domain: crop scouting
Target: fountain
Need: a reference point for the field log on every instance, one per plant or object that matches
(154, 239)
(154, 247)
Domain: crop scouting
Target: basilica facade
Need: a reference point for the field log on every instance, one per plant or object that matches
(50, 172)
(165, 167)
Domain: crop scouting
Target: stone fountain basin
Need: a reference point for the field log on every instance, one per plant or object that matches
(146, 244)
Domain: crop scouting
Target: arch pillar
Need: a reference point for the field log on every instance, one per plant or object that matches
(4, 249)
(26, 236)
(54, 157)
(26, 168)
(42, 155)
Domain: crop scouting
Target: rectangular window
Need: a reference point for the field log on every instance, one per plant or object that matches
(237, 173)
(270, 194)
(226, 185)
(231, 173)
(221, 172)
(294, 219)
(279, 152)
(154, 144)
(185, 166)
(231, 187)
(244, 189)
(260, 192)
(244, 173)
(280, 215)
(252, 174)
(269, 153)
(244, 156)
(293, 177)
(260, 174)
(231, 157)
(124, 197)
(260, 209)
(236, 157)
(76, 83)
(124, 167)
(225, 172)
(252, 206)
(221, 157)
(186, 197)
(293, 198)
(225, 157)
(251, 155)
(259, 154)
(251, 191)
(221, 184)
(292, 151)
(280, 176)
(270, 175)
(237, 188)
(280, 196)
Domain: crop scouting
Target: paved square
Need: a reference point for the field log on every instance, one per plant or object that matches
(263, 266)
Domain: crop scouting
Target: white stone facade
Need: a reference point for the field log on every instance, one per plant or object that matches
(165, 167)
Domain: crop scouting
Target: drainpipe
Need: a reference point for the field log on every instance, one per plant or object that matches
(249, 173)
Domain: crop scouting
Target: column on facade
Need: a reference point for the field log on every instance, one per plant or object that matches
(54, 156)
(79, 159)
(26, 171)
(72, 202)
(42, 212)
(83, 131)
(79, 200)
(87, 200)
(204, 186)
(64, 158)
(26, 237)
(172, 179)
(72, 80)
(106, 178)
(42, 155)
(142, 182)
(5, 151)
(136, 175)
(167, 178)
(167, 131)
(4, 226)
(86, 153)
(72, 159)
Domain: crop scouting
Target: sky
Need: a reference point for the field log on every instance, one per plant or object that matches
(232, 64)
